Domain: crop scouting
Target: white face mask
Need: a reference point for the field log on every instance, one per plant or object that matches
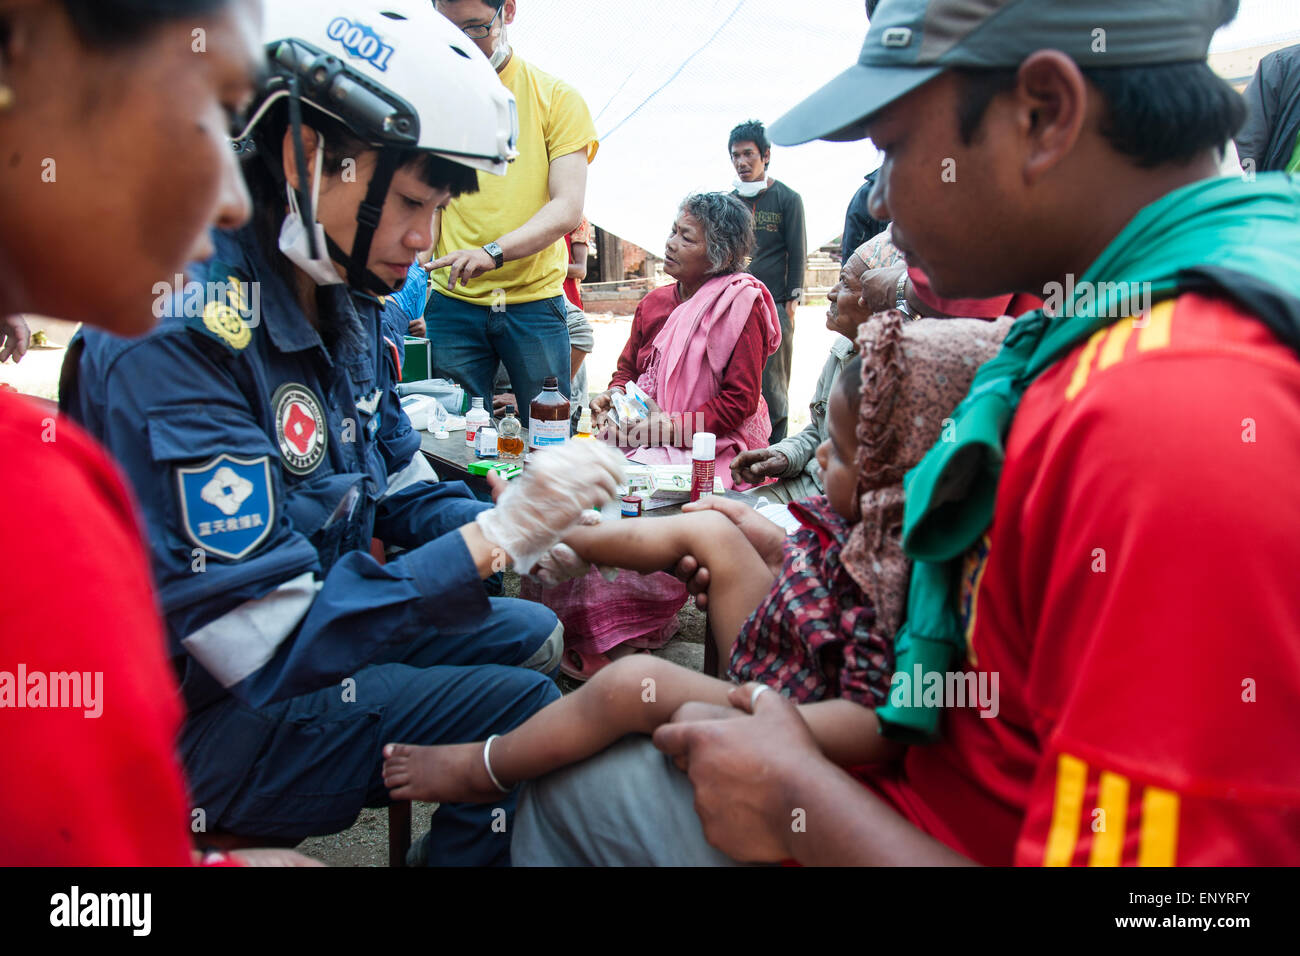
(501, 52)
(750, 190)
(293, 234)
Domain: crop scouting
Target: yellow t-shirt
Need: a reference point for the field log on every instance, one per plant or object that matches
(553, 121)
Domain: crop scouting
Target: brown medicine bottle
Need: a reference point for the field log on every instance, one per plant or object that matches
(548, 416)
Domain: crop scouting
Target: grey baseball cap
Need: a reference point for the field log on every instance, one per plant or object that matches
(912, 41)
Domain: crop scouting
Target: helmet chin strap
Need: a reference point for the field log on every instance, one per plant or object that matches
(368, 214)
(306, 203)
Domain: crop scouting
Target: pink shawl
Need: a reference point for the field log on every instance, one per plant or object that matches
(690, 354)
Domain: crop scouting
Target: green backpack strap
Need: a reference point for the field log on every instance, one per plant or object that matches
(1294, 164)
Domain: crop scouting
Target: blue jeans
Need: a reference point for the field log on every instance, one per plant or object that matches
(318, 759)
(532, 339)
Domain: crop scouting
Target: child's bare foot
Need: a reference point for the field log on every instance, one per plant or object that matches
(453, 773)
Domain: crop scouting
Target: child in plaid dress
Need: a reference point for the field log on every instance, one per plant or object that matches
(812, 616)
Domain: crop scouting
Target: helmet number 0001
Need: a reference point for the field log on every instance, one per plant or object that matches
(360, 41)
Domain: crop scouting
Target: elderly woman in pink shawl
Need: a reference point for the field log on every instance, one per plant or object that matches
(698, 347)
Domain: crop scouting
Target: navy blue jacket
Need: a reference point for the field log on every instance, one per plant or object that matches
(264, 462)
(859, 224)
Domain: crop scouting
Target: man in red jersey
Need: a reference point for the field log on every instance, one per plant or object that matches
(1106, 539)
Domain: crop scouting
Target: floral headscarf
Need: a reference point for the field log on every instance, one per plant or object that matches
(913, 375)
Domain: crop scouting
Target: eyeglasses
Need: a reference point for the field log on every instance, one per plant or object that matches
(484, 31)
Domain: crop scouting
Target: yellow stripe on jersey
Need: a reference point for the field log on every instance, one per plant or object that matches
(1158, 840)
(1081, 370)
(1071, 781)
(1113, 350)
(1154, 330)
(1112, 800)
(1155, 334)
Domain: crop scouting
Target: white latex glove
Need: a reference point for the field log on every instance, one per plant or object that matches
(557, 486)
(562, 563)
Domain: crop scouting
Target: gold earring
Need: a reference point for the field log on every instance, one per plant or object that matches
(6, 97)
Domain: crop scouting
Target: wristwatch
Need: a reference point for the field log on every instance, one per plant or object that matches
(901, 303)
(494, 250)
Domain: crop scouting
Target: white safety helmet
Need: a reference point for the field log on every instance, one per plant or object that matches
(396, 73)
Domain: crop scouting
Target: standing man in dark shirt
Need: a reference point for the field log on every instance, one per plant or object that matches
(859, 224)
(779, 257)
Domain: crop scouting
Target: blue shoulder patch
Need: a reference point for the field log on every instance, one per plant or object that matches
(227, 505)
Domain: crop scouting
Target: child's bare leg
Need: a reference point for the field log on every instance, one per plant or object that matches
(739, 579)
(632, 695)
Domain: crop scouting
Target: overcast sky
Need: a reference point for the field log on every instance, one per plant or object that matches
(666, 80)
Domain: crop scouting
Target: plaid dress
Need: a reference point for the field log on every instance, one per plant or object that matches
(814, 637)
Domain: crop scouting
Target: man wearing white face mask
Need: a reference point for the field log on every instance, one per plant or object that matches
(779, 256)
(500, 263)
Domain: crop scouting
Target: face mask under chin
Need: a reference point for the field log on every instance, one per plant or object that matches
(750, 190)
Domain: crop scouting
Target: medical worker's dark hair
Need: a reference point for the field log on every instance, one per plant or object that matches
(104, 24)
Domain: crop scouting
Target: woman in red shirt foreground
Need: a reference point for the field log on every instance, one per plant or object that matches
(113, 93)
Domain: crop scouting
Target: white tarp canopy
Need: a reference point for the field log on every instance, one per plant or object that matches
(666, 81)
(1260, 22)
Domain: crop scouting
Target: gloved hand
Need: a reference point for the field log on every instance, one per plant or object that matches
(557, 486)
(558, 565)
(562, 563)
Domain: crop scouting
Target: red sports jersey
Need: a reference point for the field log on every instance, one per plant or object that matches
(1136, 596)
(88, 706)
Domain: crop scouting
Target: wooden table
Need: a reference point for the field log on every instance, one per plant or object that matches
(451, 458)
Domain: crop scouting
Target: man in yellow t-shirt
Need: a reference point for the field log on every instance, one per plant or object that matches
(501, 261)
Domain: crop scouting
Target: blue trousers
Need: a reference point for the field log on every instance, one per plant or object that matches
(532, 339)
(305, 767)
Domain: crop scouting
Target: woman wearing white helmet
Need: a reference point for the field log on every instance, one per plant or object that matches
(369, 105)
(261, 429)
